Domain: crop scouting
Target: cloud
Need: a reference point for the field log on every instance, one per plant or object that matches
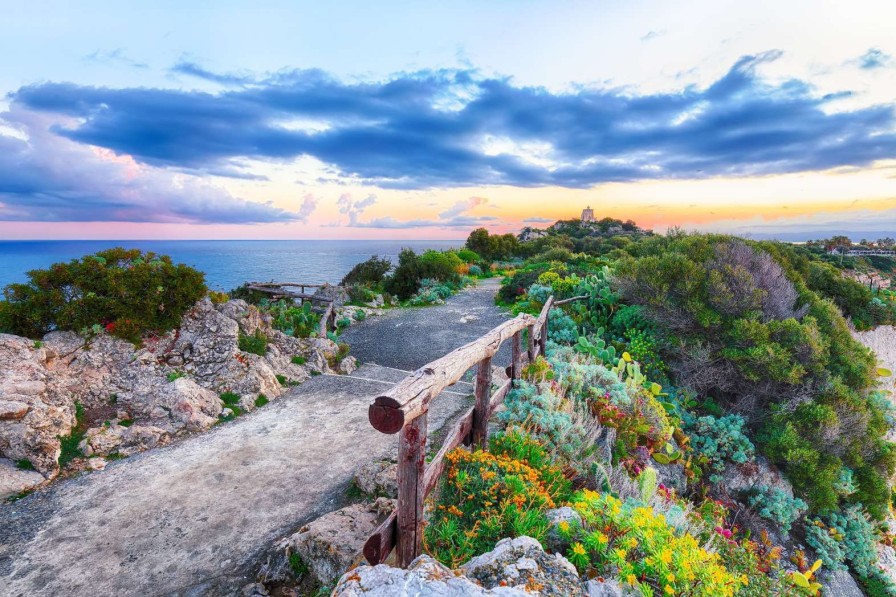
(49, 179)
(653, 35)
(309, 204)
(185, 67)
(116, 55)
(354, 209)
(456, 222)
(537, 220)
(874, 58)
(462, 207)
(455, 128)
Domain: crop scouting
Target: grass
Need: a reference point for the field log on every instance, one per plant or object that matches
(126, 422)
(261, 400)
(69, 443)
(297, 360)
(175, 375)
(113, 399)
(281, 379)
(115, 456)
(24, 465)
(38, 344)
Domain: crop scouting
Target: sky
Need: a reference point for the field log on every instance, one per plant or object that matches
(398, 119)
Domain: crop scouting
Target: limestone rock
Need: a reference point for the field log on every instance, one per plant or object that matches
(425, 577)
(333, 543)
(840, 583)
(737, 478)
(553, 542)
(522, 562)
(14, 481)
(886, 559)
(12, 409)
(335, 294)
(125, 441)
(348, 365)
(379, 478)
(607, 588)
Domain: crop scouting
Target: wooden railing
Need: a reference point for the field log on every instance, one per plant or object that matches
(403, 410)
(279, 290)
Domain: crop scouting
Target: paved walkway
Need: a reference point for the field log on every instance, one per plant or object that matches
(194, 518)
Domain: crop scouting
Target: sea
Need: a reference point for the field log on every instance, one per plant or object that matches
(226, 263)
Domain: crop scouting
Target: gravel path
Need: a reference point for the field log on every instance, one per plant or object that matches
(410, 338)
(196, 517)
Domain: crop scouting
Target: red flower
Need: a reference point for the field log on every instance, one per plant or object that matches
(110, 327)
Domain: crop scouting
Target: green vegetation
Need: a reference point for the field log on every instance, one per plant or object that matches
(231, 401)
(175, 375)
(261, 400)
(127, 292)
(257, 343)
(700, 352)
(69, 444)
(298, 360)
(24, 465)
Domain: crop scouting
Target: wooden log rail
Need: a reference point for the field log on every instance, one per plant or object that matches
(403, 410)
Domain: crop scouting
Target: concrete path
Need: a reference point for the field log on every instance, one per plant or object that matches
(196, 517)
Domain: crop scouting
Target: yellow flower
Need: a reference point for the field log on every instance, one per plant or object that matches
(602, 539)
(564, 526)
(621, 553)
(631, 579)
(670, 577)
(578, 549)
(666, 556)
(669, 590)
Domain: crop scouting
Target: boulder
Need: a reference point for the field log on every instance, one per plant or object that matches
(607, 588)
(425, 577)
(348, 365)
(738, 478)
(886, 560)
(14, 481)
(378, 478)
(521, 562)
(840, 583)
(334, 294)
(553, 541)
(333, 543)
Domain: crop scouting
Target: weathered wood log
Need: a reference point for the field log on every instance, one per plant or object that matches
(381, 543)
(410, 397)
(571, 300)
(530, 342)
(289, 284)
(515, 353)
(482, 411)
(454, 438)
(411, 472)
(541, 325)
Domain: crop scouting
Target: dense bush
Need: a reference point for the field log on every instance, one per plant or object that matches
(492, 247)
(371, 272)
(412, 269)
(743, 325)
(129, 292)
(293, 320)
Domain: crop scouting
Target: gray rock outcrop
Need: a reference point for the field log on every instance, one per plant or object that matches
(515, 567)
(168, 386)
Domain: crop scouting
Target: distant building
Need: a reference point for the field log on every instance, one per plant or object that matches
(587, 215)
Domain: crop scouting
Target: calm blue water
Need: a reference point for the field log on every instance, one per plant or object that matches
(226, 263)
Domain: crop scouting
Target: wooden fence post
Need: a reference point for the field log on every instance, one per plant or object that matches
(543, 340)
(515, 350)
(530, 342)
(483, 396)
(411, 489)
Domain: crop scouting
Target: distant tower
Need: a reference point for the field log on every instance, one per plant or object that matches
(587, 215)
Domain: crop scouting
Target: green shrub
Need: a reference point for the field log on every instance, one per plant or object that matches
(475, 270)
(128, 292)
(294, 320)
(468, 256)
(370, 273)
(253, 297)
(257, 343)
(174, 375)
(24, 465)
(777, 506)
(412, 269)
(261, 400)
(719, 440)
(298, 360)
(492, 247)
